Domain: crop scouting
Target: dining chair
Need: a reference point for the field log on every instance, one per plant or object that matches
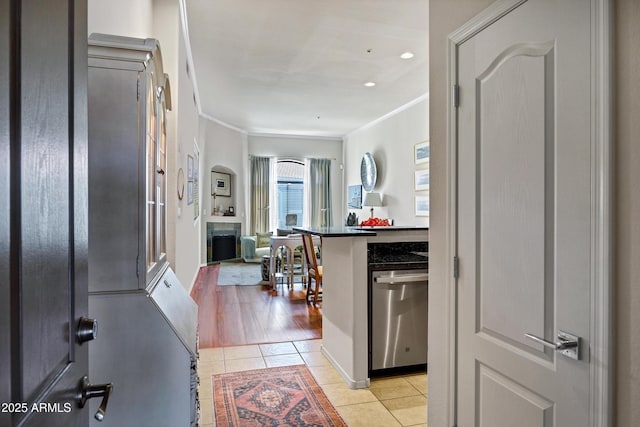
(291, 259)
(314, 271)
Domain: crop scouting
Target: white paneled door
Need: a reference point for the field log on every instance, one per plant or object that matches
(525, 217)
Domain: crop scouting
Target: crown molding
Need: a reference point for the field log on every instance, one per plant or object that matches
(390, 114)
(224, 124)
(294, 136)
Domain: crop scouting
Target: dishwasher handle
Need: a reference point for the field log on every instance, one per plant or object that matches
(402, 279)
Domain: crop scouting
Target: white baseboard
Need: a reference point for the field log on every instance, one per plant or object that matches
(193, 280)
(353, 384)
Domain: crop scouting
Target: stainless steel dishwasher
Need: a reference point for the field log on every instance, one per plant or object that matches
(399, 300)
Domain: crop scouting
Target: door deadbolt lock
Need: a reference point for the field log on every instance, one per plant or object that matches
(87, 329)
(89, 391)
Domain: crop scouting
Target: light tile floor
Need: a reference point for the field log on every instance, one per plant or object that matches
(393, 401)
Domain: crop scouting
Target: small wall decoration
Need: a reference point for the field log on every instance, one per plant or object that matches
(189, 192)
(368, 172)
(180, 184)
(189, 167)
(220, 184)
(422, 180)
(196, 181)
(421, 153)
(354, 197)
(422, 204)
(421, 177)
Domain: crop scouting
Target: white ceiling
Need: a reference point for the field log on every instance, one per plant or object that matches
(299, 66)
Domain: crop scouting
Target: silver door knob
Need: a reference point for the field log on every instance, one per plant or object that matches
(89, 391)
(568, 344)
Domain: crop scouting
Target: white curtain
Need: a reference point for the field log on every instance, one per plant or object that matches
(306, 194)
(261, 194)
(273, 194)
(317, 193)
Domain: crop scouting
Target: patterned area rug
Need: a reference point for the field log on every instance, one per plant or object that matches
(240, 273)
(286, 396)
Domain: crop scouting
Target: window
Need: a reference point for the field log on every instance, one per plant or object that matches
(290, 193)
(156, 185)
(152, 158)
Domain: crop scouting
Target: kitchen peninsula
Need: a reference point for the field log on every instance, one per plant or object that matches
(344, 303)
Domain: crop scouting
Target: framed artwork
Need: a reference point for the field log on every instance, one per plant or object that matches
(422, 204)
(189, 167)
(189, 192)
(196, 181)
(354, 197)
(421, 153)
(421, 180)
(220, 184)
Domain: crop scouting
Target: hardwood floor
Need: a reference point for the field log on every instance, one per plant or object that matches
(240, 315)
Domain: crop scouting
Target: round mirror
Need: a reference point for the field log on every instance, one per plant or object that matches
(180, 184)
(368, 172)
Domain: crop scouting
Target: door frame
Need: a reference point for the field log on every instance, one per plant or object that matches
(601, 351)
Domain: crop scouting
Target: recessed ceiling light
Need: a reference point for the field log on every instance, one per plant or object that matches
(369, 84)
(406, 55)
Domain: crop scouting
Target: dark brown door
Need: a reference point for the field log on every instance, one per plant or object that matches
(43, 211)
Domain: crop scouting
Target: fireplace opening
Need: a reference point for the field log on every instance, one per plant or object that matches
(223, 247)
(223, 241)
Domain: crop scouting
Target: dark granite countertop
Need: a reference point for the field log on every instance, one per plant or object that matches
(344, 231)
(339, 231)
(394, 228)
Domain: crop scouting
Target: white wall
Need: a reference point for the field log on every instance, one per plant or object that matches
(226, 151)
(131, 18)
(391, 142)
(165, 27)
(187, 230)
(299, 148)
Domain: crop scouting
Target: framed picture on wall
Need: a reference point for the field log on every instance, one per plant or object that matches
(196, 181)
(422, 204)
(421, 153)
(354, 197)
(189, 167)
(220, 184)
(189, 192)
(422, 180)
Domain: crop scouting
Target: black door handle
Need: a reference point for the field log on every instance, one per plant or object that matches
(89, 391)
